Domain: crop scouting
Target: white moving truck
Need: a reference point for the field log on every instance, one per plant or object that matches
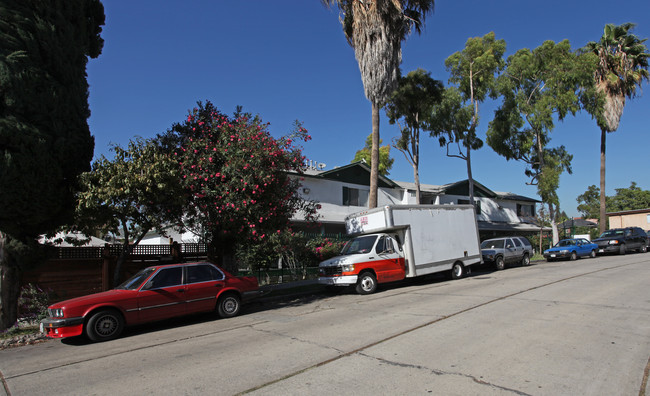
(404, 241)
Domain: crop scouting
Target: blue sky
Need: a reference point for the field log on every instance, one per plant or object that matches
(288, 60)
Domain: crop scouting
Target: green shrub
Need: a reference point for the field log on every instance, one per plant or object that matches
(33, 303)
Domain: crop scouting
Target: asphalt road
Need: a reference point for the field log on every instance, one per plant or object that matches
(562, 328)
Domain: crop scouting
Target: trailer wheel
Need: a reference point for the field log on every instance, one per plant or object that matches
(457, 270)
(367, 283)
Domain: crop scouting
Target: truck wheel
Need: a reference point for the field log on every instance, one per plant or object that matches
(367, 283)
(499, 263)
(228, 305)
(104, 325)
(457, 270)
(525, 261)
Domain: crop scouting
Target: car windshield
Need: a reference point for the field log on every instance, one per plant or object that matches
(565, 242)
(492, 244)
(611, 233)
(136, 280)
(358, 245)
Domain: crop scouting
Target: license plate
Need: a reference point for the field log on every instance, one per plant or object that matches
(601, 251)
(552, 255)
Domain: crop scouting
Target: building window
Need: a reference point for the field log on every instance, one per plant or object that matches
(355, 197)
(477, 204)
(525, 210)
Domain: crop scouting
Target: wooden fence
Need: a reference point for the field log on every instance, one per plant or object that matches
(76, 271)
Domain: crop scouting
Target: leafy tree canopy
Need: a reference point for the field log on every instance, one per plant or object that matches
(136, 192)
(45, 137)
(631, 198)
(385, 161)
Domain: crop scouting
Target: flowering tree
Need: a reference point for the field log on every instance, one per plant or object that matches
(237, 176)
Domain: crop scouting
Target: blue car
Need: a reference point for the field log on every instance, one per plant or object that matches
(571, 249)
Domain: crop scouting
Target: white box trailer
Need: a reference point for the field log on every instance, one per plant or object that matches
(404, 241)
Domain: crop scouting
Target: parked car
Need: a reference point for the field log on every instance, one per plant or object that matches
(622, 240)
(571, 249)
(155, 293)
(506, 250)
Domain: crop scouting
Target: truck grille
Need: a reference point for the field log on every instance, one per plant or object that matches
(330, 271)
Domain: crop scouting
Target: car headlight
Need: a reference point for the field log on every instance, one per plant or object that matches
(613, 242)
(347, 267)
(55, 312)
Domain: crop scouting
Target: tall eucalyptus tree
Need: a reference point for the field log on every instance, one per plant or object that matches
(474, 71)
(538, 87)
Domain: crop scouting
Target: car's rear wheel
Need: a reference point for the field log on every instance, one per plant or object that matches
(228, 305)
(525, 261)
(457, 270)
(499, 263)
(104, 325)
(643, 249)
(367, 283)
(592, 254)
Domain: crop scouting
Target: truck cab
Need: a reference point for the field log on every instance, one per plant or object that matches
(365, 261)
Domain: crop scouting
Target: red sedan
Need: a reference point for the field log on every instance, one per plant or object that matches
(154, 293)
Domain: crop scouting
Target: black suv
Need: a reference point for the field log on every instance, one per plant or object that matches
(622, 240)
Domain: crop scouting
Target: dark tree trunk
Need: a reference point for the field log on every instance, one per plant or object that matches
(602, 223)
(9, 286)
(121, 259)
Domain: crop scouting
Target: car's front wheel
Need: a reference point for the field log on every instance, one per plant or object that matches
(228, 305)
(573, 257)
(367, 283)
(104, 325)
(622, 249)
(499, 263)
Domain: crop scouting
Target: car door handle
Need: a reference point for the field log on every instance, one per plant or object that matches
(180, 290)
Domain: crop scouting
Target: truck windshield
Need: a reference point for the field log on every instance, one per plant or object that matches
(359, 245)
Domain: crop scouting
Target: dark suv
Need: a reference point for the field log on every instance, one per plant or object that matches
(506, 250)
(622, 240)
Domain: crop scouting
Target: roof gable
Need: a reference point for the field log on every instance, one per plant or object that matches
(462, 188)
(356, 173)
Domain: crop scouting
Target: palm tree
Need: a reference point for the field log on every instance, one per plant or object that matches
(622, 67)
(376, 29)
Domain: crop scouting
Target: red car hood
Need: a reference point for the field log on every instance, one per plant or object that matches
(107, 296)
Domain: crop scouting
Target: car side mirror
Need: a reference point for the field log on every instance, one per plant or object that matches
(147, 285)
